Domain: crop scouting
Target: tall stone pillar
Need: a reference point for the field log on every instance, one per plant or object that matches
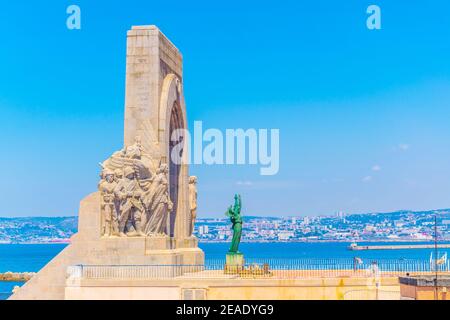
(151, 57)
(154, 103)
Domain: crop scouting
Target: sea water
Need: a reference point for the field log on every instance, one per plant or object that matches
(32, 257)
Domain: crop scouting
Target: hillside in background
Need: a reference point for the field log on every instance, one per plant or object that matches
(37, 229)
(393, 226)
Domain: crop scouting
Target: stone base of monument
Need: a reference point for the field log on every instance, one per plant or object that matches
(234, 263)
(88, 248)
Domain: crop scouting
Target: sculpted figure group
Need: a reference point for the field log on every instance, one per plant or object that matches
(135, 199)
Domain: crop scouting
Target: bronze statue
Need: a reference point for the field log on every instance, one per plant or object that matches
(234, 213)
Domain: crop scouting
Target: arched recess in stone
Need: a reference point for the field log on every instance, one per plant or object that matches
(172, 116)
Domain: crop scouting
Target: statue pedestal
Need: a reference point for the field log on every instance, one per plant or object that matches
(234, 263)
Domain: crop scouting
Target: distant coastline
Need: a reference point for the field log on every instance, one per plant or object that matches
(394, 227)
(266, 241)
(336, 241)
(42, 242)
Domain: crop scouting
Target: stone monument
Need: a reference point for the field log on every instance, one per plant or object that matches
(145, 206)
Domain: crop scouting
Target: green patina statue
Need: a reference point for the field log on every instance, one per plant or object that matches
(234, 212)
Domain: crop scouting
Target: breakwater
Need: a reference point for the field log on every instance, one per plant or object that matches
(16, 276)
(399, 247)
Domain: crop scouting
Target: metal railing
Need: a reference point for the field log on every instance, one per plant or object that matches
(343, 267)
(274, 268)
(132, 271)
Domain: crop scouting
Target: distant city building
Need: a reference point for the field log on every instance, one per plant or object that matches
(203, 230)
(285, 235)
(306, 221)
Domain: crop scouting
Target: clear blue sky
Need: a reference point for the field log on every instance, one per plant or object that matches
(363, 115)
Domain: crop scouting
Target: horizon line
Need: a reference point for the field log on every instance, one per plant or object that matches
(256, 216)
